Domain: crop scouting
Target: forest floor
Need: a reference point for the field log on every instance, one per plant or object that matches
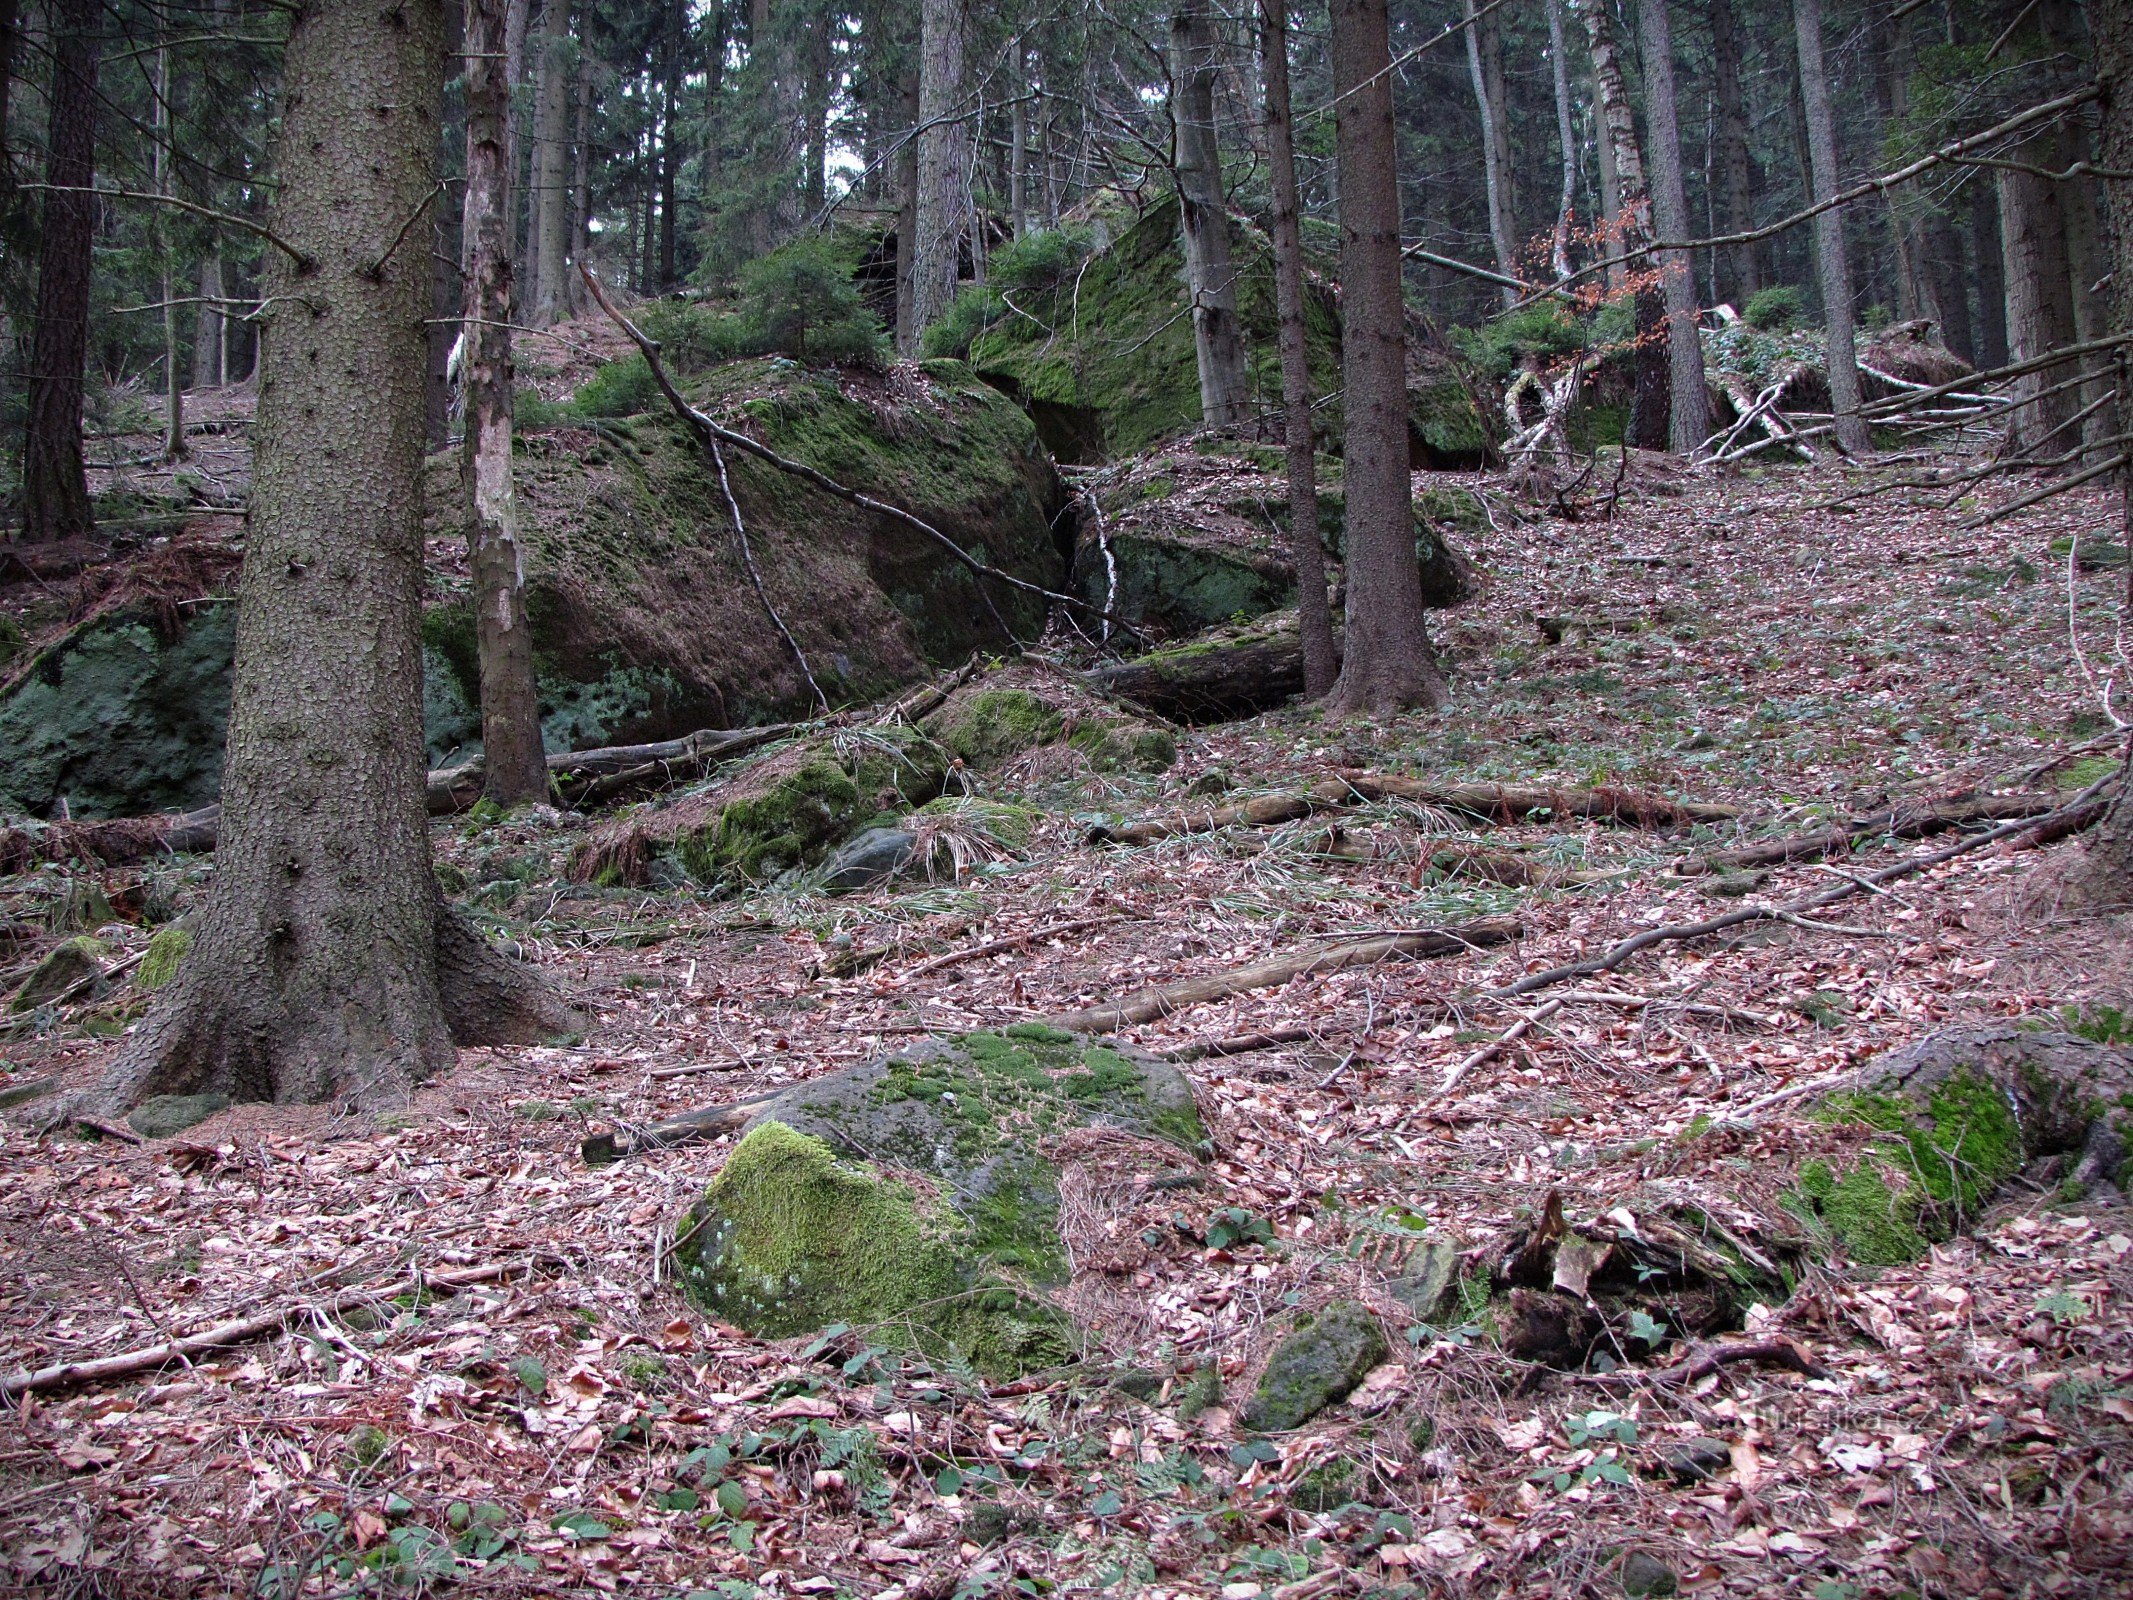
(572, 1424)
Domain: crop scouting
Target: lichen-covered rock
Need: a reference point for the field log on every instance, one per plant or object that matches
(1957, 1114)
(162, 1115)
(914, 1194)
(1320, 1361)
(171, 944)
(1646, 1575)
(66, 964)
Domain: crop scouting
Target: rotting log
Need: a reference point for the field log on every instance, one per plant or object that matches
(1227, 673)
(1513, 802)
(1162, 1000)
(604, 1149)
(1899, 822)
(1264, 811)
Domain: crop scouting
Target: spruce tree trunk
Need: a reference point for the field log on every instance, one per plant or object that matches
(1390, 663)
(573, 296)
(514, 768)
(55, 483)
(1736, 162)
(207, 324)
(939, 213)
(547, 296)
(1484, 63)
(1203, 218)
(906, 165)
(814, 161)
(2040, 316)
(1650, 409)
(1689, 409)
(1306, 552)
(2105, 875)
(1832, 264)
(173, 380)
(669, 154)
(327, 966)
(1984, 261)
(9, 19)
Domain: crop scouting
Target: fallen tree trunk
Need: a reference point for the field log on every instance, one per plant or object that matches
(1513, 802)
(1161, 1001)
(1231, 672)
(73, 1374)
(1263, 812)
(1902, 822)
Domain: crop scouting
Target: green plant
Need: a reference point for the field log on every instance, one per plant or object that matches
(619, 389)
(1233, 1225)
(800, 301)
(1775, 309)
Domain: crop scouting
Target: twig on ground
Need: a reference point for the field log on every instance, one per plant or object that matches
(1510, 1036)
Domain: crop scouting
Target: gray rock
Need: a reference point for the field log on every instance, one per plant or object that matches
(1647, 1575)
(867, 859)
(161, 1115)
(1426, 1284)
(1695, 1460)
(1320, 1362)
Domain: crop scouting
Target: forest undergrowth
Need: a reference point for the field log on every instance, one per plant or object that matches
(567, 1422)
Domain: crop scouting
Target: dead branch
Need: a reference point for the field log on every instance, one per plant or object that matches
(1902, 822)
(1263, 812)
(1162, 1001)
(740, 535)
(73, 1374)
(1510, 1036)
(1511, 802)
(1019, 941)
(604, 1149)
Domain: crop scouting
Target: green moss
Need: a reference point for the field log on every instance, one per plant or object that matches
(65, 966)
(1009, 825)
(993, 725)
(1876, 1222)
(170, 945)
(790, 1239)
(1124, 746)
(1321, 1361)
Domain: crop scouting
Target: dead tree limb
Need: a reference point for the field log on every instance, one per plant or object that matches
(1902, 822)
(1162, 1001)
(604, 1149)
(740, 535)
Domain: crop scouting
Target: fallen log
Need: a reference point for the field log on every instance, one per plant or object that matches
(1513, 802)
(604, 1149)
(1900, 822)
(73, 1374)
(1161, 1001)
(1226, 673)
(1264, 811)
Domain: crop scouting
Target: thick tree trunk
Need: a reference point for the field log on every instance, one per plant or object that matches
(55, 483)
(1484, 63)
(2105, 877)
(9, 19)
(1314, 616)
(173, 379)
(207, 324)
(1203, 213)
(1736, 162)
(1833, 265)
(669, 153)
(572, 299)
(1566, 140)
(2039, 305)
(1689, 410)
(939, 210)
(1951, 289)
(327, 966)
(510, 706)
(547, 297)
(1390, 662)
(1650, 418)
(1985, 269)
(1611, 250)
(906, 165)
(814, 160)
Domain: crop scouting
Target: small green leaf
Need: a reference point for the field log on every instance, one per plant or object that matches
(732, 1498)
(532, 1374)
(581, 1525)
(948, 1481)
(1106, 1504)
(743, 1537)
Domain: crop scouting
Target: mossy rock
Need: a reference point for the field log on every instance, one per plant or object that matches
(162, 1115)
(913, 1195)
(1320, 1361)
(986, 727)
(171, 944)
(1124, 744)
(66, 964)
(1955, 1116)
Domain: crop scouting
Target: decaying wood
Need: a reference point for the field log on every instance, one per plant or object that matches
(74, 1374)
(1513, 802)
(1162, 1001)
(1901, 822)
(1263, 812)
(1231, 675)
(603, 1149)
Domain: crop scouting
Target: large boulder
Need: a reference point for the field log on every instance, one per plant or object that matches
(917, 1195)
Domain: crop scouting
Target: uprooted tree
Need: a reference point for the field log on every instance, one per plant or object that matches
(327, 965)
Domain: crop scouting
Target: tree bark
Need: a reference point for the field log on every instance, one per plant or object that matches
(905, 163)
(10, 13)
(1833, 265)
(547, 297)
(1566, 140)
(1689, 410)
(1203, 219)
(816, 92)
(55, 482)
(2105, 876)
(1650, 409)
(1736, 162)
(327, 965)
(1390, 662)
(173, 379)
(207, 323)
(1484, 64)
(572, 299)
(2040, 315)
(939, 205)
(1985, 258)
(1314, 616)
(670, 66)
(510, 705)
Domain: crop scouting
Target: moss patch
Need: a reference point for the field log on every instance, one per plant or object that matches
(1320, 1361)
(986, 727)
(171, 945)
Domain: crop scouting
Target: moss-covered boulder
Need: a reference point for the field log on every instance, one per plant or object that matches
(1196, 535)
(918, 1195)
(1955, 1116)
(1004, 716)
(645, 621)
(1320, 1361)
(67, 964)
(985, 726)
(1103, 354)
